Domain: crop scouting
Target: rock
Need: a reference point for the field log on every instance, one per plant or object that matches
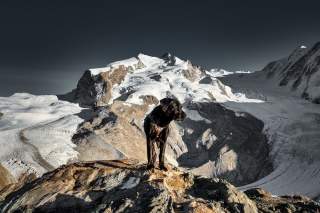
(257, 192)
(169, 59)
(5, 177)
(268, 203)
(95, 90)
(192, 72)
(149, 99)
(125, 186)
(116, 132)
(222, 143)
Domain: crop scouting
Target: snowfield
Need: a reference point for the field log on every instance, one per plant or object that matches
(293, 128)
(35, 133)
(157, 79)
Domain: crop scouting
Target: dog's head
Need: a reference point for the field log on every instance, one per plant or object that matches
(172, 108)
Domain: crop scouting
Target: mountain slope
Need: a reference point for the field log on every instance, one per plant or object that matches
(292, 127)
(300, 72)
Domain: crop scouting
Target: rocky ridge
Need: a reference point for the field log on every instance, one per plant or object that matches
(125, 186)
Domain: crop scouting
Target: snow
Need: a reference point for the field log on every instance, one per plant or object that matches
(35, 132)
(221, 72)
(293, 128)
(132, 62)
(195, 116)
(150, 61)
(96, 71)
(171, 80)
(131, 183)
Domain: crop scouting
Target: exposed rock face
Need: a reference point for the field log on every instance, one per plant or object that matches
(293, 203)
(95, 90)
(123, 186)
(5, 177)
(217, 143)
(193, 72)
(224, 144)
(95, 85)
(116, 132)
(300, 72)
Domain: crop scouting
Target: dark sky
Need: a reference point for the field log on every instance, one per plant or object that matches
(46, 45)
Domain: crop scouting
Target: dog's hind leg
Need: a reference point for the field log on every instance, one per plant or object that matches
(163, 142)
(153, 153)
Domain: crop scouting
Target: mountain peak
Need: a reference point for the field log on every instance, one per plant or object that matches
(169, 58)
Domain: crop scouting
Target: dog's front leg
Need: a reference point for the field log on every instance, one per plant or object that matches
(163, 142)
(151, 153)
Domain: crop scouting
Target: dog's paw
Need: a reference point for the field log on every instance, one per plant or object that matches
(163, 167)
(150, 167)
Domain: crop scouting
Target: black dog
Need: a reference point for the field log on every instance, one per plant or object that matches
(156, 127)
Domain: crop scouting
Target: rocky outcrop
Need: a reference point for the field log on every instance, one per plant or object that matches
(267, 203)
(116, 132)
(300, 71)
(223, 143)
(212, 141)
(5, 177)
(193, 72)
(95, 85)
(95, 90)
(124, 186)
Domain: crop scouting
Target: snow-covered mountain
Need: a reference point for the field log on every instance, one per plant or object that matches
(132, 79)
(132, 87)
(227, 134)
(47, 132)
(300, 72)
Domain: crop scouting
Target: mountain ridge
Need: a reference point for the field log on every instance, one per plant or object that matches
(124, 186)
(300, 72)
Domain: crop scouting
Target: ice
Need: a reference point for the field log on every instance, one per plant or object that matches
(293, 128)
(35, 132)
(132, 182)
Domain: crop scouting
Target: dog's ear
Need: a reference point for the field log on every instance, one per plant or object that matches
(165, 103)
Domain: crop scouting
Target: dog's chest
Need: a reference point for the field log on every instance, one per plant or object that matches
(157, 130)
